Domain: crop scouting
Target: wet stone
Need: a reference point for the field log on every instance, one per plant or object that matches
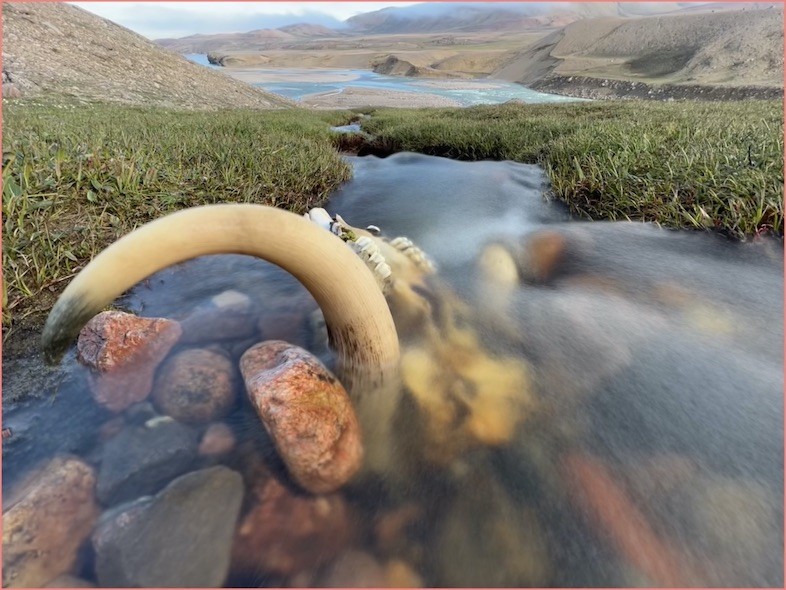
(182, 537)
(354, 569)
(195, 386)
(285, 532)
(227, 316)
(307, 413)
(123, 352)
(49, 515)
(217, 440)
(142, 459)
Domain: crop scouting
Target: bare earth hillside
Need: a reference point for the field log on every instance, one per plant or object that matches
(54, 49)
(741, 49)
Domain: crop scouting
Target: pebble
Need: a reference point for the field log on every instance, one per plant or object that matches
(217, 440)
(307, 413)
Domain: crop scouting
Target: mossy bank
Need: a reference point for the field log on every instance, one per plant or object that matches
(76, 177)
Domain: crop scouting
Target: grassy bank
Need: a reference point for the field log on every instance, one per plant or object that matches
(682, 164)
(77, 178)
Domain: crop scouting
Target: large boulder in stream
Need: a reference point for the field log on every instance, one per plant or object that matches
(182, 537)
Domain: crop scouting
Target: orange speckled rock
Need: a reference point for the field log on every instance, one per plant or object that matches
(49, 515)
(307, 413)
(123, 352)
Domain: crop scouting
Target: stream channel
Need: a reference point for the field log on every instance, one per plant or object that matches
(647, 449)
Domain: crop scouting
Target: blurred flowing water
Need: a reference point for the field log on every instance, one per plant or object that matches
(653, 450)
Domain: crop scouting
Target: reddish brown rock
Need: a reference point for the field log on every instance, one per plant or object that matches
(390, 528)
(195, 386)
(123, 352)
(307, 413)
(286, 532)
(217, 440)
(49, 516)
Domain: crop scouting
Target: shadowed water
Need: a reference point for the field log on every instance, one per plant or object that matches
(651, 450)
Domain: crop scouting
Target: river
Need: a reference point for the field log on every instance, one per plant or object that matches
(299, 83)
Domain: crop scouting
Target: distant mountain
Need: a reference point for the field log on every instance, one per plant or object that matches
(309, 30)
(476, 17)
(259, 39)
(719, 47)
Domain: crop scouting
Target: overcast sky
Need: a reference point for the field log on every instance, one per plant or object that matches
(177, 19)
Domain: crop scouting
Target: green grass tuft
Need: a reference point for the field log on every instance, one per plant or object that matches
(76, 179)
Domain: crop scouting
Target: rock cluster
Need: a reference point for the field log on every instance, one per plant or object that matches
(175, 494)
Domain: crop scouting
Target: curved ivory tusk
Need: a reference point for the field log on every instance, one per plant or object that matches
(357, 316)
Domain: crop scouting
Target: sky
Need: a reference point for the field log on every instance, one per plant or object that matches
(157, 20)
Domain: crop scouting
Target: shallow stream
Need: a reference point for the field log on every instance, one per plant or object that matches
(650, 450)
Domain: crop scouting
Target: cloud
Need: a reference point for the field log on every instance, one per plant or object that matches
(179, 19)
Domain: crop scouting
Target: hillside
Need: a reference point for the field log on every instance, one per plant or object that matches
(88, 58)
(729, 48)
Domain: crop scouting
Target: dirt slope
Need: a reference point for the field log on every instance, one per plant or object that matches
(730, 48)
(55, 49)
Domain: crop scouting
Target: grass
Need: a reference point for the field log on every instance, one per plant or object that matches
(683, 164)
(77, 178)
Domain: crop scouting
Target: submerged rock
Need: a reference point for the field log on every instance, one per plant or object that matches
(487, 539)
(180, 538)
(123, 351)
(307, 413)
(217, 440)
(354, 569)
(49, 515)
(195, 386)
(285, 532)
(227, 316)
(142, 459)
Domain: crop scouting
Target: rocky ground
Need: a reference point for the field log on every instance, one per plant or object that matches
(86, 58)
(703, 55)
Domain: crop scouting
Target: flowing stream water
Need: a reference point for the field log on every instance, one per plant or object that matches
(651, 448)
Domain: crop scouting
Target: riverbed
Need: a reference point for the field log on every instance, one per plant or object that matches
(318, 85)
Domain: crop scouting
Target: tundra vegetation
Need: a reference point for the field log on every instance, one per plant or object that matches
(76, 177)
